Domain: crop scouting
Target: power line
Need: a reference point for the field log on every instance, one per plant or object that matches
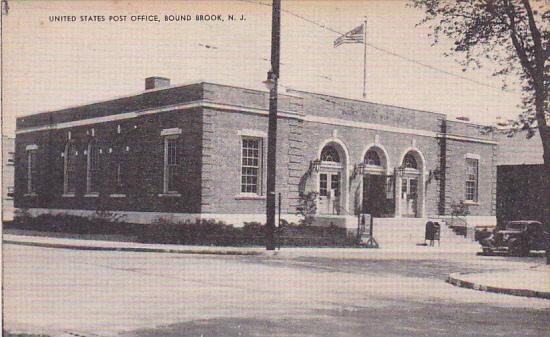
(383, 50)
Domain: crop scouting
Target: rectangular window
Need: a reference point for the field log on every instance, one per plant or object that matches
(70, 169)
(472, 166)
(119, 177)
(93, 168)
(335, 184)
(404, 186)
(170, 164)
(31, 171)
(413, 188)
(389, 187)
(323, 185)
(251, 164)
(119, 173)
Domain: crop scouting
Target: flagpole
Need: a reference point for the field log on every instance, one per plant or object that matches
(365, 59)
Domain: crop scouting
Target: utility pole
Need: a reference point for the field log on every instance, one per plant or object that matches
(365, 59)
(272, 79)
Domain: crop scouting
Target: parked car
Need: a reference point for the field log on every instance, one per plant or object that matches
(516, 238)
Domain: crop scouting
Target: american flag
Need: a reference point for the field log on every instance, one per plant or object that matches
(356, 35)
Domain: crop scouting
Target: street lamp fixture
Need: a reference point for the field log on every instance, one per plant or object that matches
(401, 170)
(434, 174)
(359, 169)
(314, 165)
(271, 80)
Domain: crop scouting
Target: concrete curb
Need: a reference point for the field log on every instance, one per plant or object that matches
(458, 280)
(133, 249)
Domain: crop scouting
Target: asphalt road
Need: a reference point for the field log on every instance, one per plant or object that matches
(93, 293)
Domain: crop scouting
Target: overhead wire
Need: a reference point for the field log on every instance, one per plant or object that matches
(383, 50)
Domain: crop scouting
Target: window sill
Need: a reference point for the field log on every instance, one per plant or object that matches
(117, 195)
(30, 195)
(68, 195)
(170, 195)
(251, 196)
(91, 195)
(471, 203)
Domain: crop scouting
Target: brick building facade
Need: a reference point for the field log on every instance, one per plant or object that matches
(199, 151)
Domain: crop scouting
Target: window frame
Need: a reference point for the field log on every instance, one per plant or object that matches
(377, 161)
(166, 165)
(117, 168)
(92, 168)
(69, 170)
(329, 154)
(31, 154)
(259, 186)
(472, 196)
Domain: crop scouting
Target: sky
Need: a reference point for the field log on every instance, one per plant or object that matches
(52, 65)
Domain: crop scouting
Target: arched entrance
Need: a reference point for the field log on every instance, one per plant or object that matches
(410, 185)
(332, 171)
(378, 199)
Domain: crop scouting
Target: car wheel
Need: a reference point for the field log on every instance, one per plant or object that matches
(518, 248)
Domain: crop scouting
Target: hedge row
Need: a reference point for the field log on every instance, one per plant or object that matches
(199, 232)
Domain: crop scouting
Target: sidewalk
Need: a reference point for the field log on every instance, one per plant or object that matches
(532, 282)
(402, 250)
(80, 244)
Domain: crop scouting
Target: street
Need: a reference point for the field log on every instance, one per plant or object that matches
(295, 293)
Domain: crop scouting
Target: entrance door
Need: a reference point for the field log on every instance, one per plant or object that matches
(374, 194)
(329, 193)
(409, 196)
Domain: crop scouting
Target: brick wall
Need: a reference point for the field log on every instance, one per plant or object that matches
(456, 176)
(142, 146)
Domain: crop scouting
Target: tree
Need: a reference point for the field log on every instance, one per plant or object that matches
(514, 35)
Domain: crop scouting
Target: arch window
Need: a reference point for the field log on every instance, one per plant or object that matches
(93, 168)
(70, 156)
(330, 154)
(410, 162)
(372, 158)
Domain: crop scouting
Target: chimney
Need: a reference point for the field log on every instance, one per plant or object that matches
(156, 82)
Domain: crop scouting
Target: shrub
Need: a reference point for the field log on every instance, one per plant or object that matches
(307, 207)
(198, 232)
(459, 208)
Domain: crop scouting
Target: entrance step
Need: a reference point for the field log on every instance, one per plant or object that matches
(411, 231)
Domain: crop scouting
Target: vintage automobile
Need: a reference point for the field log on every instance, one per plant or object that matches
(517, 238)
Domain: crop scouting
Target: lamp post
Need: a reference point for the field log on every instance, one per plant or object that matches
(271, 83)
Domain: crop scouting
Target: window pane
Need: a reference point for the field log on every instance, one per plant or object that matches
(70, 168)
(471, 179)
(330, 154)
(323, 184)
(31, 171)
(171, 165)
(372, 158)
(389, 188)
(93, 167)
(335, 184)
(250, 165)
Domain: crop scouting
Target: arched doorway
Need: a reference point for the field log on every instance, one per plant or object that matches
(410, 185)
(331, 189)
(378, 198)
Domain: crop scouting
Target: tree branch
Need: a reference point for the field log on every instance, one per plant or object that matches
(520, 49)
